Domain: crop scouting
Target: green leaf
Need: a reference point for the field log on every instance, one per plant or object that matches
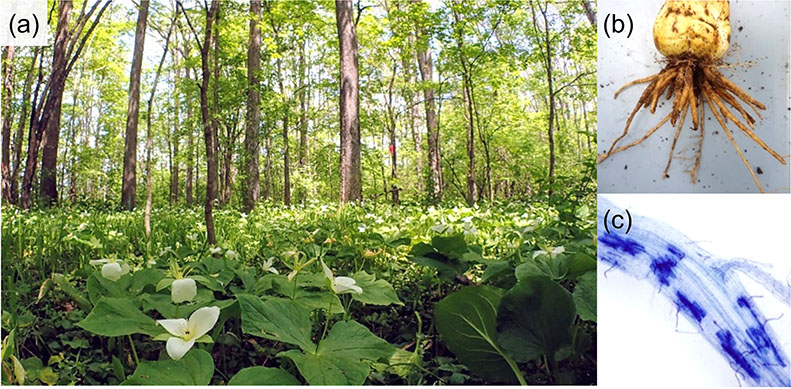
(195, 368)
(326, 370)
(578, 264)
(319, 299)
(338, 358)
(277, 319)
(534, 318)
(118, 316)
(72, 292)
(453, 246)
(352, 339)
(260, 375)
(48, 376)
(118, 369)
(376, 292)
(145, 277)
(466, 321)
(585, 296)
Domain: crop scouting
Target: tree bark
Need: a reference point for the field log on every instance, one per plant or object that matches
(209, 130)
(253, 122)
(547, 62)
(8, 94)
(188, 189)
(129, 183)
(589, 12)
(303, 117)
(20, 133)
(351, 176)
(470, 116)
(426, 69)
(392, 130)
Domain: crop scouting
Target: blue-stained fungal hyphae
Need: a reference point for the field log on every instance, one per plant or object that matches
(705, 290)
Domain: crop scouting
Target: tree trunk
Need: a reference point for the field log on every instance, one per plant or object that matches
(209, 130)
(20, 133)
(392, 124)
(547, 59)
(253, 122)
(8, 94)
(303, 117)
(589, 12)
(147, 216)
(426, 69)
(286, 158)
(188, 189)
(351, 176)
(129, 183)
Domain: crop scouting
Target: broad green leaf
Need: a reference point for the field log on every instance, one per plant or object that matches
(338, 358)
(195, 368)
(327, 370)
(260, 375)
(453, 246)
(578, 264)
(466, 321)
(534, 318)
(585, 296)
(376, 292)
(277, 319)
(118, 316)
(145, 277)
(352, 339)
(310, 299)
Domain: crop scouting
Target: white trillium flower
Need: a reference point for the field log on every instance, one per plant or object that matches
(267, 266)
(186, 332)
(112, 270)
(183, 289)
(215, 250)
(341, 284)
(231, 254)
(552, 254)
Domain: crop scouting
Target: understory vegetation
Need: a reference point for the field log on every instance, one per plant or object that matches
(450, 295)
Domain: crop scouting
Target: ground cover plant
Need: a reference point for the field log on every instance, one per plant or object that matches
(87, 299)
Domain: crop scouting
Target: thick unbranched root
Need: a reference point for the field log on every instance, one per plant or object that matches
(692, 86)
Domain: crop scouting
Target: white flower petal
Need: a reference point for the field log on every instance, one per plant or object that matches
(346, 285)
(124, 268)
(202, 321)
(177, 327)
(183, 290)
(327, 271)
(272, 270)
(177, 347)
(231, 254)
(98, 261)
(558, 250)
(112, 271)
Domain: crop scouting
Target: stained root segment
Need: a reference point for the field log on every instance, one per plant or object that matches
(692, 83)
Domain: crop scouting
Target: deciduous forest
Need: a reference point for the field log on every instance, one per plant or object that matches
(289, 192)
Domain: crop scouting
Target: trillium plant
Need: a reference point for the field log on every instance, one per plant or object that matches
(184, 333)
(267, 266)
(340, 284)
(112, 269)
(182, 289)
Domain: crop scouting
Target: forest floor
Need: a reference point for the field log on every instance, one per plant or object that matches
(63, 323)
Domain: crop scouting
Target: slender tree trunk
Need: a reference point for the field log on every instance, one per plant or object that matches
(190, 147)
(547, 62)
(147, 216)
(129, 183)
(392, 130)
(286, 158)
(23, 118)
(351, 176)
(8, 93)
(253, 122)
(303, 117)
(425, 65)
(209, 130)
(589, 12)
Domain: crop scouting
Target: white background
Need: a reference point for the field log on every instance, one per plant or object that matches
(764, 39)
(638, 339)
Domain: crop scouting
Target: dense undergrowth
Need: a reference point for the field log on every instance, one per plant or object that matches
(447, 295)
